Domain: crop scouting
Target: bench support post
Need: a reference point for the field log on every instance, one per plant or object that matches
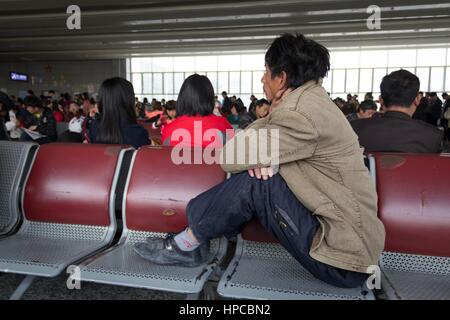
(22, 288)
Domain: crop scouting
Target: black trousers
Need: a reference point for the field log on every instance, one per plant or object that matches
(224, 210)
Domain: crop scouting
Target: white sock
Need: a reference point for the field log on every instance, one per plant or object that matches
(185, 242)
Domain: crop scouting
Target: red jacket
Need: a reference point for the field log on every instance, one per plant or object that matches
(190, 131)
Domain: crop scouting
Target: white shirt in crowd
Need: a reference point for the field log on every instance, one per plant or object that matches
(76, 124)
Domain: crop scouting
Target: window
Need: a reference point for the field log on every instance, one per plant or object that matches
(352, 80)
(223, 82)
(148, 87)
(252, 62)
(327, 82)
(378, 75)
(206, 63)
(352, 71)
(162, 64)
(402, 58)
(183, 64)
(365, 80)
(346, 59)
(141, 65)
(447, 80)
(212, 76)
(373, 59)
(168, 83)
(437, 79)
(431, 57)
(178, 82)
(423, 74)
(235, 82)
(137, 82)
(257, 84)
(246, 82)
(229, 63)
(157, 83)
(339, 81)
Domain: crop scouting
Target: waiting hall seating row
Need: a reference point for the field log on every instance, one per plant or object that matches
(63, 204)
(414, 205)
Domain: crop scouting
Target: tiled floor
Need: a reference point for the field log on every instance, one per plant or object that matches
(56, 289)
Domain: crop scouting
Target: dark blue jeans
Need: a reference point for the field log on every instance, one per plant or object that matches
(224, 210)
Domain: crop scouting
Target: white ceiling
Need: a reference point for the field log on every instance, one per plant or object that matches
(36, 29)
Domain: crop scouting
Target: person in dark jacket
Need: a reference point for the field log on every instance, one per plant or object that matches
(435, 108)
(117, 123)
(395, 130)
(260, 110)
(366, 109)
(226, 105)
(39, 119)
(3, 134)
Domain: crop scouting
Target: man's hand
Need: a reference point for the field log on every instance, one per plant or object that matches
(264, 173)
(33, 128)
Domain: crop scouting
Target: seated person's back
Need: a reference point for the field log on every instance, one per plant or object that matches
(395, 130)
(117, 123)
(195, 116)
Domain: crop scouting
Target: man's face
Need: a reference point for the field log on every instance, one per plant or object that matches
(367, 114)
(32, 110)
(262, 111)
(271, 86)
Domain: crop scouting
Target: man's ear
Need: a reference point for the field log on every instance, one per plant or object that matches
(417, 100)
(283, 79)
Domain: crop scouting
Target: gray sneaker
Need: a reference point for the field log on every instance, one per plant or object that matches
(166, 252)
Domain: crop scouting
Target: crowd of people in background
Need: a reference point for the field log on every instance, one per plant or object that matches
(116, 115)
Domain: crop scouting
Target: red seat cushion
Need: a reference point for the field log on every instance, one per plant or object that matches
(159, 190)
(71, 183)
(414, 202)
(254, 231)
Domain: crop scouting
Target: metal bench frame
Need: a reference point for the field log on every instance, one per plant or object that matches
(47, 249)
(261, 270)
(27, 154)
(120, 265)
(410, 276)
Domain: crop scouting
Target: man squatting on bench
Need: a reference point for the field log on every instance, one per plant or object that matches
(321, 205)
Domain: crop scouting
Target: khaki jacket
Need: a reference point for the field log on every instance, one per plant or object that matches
(322, 163)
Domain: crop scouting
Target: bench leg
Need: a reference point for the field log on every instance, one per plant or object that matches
(192, 296)
(23, 286)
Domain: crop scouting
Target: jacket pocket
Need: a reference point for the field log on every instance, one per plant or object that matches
(285, 222)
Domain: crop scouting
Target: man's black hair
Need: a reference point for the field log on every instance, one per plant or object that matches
(196, 97)
(368, 105)
(399, 88)
(224, 93)
(32, 101)
(300, 58)
(261, 102)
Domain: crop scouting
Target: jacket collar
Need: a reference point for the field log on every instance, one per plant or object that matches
(290, 100)
(305, 87)
(397, 114)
